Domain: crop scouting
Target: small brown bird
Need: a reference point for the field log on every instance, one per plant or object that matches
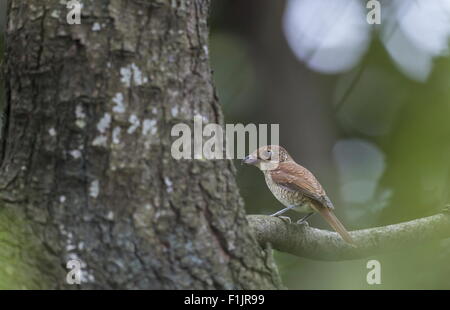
(294, 186)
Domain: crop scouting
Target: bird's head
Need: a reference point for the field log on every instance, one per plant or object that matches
(267, 157)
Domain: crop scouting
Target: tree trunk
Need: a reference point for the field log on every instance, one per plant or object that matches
(86, 169)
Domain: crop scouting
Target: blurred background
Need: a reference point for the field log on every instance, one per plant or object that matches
(365, 107)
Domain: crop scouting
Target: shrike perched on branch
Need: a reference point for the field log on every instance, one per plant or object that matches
(294, 186)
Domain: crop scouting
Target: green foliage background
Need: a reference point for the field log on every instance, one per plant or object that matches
(407, 121)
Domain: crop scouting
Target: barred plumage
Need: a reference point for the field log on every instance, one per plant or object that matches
(294, 185)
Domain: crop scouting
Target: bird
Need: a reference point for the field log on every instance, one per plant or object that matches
(295, 186)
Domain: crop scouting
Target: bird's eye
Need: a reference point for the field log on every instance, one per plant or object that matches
(268, 154)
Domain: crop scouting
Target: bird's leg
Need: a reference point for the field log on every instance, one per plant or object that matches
(303, 219)
(282, 211)
(286, 219)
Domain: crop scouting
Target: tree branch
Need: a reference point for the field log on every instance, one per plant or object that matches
(309, 242)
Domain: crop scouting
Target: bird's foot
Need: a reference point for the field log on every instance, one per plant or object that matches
(285, 219)
(302, 222)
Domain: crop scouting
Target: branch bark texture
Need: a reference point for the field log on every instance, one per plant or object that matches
(309, 242)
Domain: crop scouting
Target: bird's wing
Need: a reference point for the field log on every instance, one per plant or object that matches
(297, 178)
(292, 176)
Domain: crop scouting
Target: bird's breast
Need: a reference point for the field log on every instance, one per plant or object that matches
(288, 197)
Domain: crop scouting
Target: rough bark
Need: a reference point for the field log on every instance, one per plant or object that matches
(309, 242)
(86, 170)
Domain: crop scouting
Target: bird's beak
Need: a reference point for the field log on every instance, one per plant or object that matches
(250, 160)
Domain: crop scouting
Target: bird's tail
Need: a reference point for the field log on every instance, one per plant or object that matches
(331, 219)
